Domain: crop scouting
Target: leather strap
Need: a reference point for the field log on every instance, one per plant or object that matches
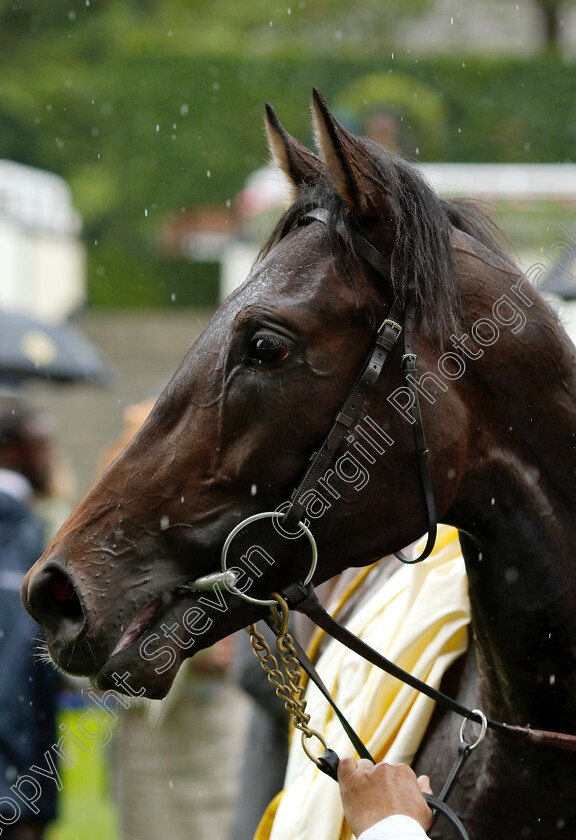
(367, 251)
(447, 812)
(304, 599)
(350, 413)
(329, 760)
(542, 737)
(348, 416)
(314, 676)
(420, 448)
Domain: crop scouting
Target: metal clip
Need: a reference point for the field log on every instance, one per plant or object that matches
(483, 729)
(226, 578)
(409, 361)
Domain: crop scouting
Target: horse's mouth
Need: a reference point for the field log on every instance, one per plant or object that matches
(139, 626)
(88, 654)
(156, 609)
(127, 671)
(151, 649)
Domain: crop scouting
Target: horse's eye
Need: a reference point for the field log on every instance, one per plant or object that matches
(268, 350)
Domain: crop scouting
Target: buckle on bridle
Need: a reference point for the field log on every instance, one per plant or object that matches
(409, 362)
(389, 323)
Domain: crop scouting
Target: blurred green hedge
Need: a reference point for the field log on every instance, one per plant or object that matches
(144, 140)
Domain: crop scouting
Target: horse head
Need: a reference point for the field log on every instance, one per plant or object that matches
(234, 429)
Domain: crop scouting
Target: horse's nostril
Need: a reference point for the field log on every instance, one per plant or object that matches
(62, 591)
(53, 601)
(61, 588)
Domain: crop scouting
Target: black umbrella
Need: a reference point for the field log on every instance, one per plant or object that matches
(30, 348)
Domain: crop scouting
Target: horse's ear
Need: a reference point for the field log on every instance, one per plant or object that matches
(298, 163)
(345, 156)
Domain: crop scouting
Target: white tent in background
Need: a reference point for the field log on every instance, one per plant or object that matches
(42, 270)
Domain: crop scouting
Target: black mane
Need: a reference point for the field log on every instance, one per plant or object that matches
(418, 223)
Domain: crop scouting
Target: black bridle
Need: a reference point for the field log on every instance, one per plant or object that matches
(351, 411)
(302, 597)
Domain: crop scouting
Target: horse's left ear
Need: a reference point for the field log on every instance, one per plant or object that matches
(346, 158)
(298, 163)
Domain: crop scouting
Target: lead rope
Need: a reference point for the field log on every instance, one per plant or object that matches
(288, 684)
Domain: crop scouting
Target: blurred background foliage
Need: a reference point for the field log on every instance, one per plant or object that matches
(152, 107)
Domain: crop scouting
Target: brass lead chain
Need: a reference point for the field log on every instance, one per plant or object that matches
(287, 678)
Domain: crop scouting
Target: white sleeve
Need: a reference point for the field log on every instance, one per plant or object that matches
(396, 827)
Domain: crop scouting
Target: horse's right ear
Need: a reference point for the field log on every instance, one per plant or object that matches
(298, 163)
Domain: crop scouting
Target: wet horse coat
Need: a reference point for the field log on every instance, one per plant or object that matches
(232, 432)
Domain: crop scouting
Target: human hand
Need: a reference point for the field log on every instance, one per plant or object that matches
(371, 792)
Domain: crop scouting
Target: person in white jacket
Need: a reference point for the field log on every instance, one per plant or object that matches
(384, 801)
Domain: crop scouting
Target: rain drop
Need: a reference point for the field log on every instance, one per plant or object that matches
(511, 575)
(164, 523)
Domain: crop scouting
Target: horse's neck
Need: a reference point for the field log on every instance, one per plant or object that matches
(517, 510)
